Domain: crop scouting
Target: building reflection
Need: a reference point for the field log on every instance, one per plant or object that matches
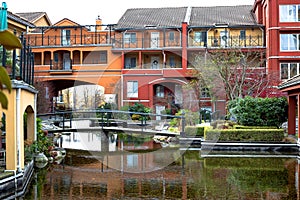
(119, 169)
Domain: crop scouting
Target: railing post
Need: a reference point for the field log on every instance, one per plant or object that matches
(63, 121)
(71, 119)
(182, 132)
(102, 120)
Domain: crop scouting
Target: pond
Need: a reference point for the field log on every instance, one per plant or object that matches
(136, 167)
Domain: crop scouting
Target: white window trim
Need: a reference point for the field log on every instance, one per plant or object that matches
(132, 89)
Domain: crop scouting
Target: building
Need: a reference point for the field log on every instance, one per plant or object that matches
(148, 56)
(158, 46)
(67, 54)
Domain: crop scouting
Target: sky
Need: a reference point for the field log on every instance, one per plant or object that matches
(110, 11)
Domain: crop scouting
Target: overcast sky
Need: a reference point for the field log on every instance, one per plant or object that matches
(85, 12)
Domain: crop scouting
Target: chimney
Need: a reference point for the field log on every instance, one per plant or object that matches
(98, 23)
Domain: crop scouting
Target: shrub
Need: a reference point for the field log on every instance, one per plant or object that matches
(245, 135)
(251, 111)
(194, 131)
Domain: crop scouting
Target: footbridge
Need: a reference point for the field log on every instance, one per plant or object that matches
(112, 120)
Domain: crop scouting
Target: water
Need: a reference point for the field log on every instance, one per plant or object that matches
(128, 167)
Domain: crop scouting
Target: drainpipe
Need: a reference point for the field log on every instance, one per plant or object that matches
(34, 117)
(122, 90)
(18, 127)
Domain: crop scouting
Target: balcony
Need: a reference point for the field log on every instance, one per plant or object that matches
(144, 43)
(93, 39)
(227, 42)
(18, 63)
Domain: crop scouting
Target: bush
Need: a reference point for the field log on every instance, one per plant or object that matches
(253, 127)
(194, 131)
(251, 111)
(245, 135)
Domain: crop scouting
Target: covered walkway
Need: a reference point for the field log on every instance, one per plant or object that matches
(292, 87)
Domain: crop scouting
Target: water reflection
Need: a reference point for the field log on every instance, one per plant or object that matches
(111, 174)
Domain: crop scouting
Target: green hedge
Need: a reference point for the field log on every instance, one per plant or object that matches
(245, 135)
(253, 127)
(194, 131)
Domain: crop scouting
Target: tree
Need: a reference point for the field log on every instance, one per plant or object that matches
(232, 72)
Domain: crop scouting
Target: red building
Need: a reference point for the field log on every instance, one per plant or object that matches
(158, 45)
(281, 21)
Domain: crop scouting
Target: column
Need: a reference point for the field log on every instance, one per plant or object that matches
(292, 115)
(184, 45)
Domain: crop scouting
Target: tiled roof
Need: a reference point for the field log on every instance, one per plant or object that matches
(19, 19)
(32, 16)
(231, 15)
(174, 16)
(160, 17)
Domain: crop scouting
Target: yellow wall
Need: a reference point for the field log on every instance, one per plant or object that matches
(14, 123)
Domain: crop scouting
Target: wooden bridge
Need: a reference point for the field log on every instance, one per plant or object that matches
(111, 120)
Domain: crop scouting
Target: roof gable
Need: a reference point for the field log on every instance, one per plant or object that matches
(35, 17)
(66, 22)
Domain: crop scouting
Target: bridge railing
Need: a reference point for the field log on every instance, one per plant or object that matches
(103, 118)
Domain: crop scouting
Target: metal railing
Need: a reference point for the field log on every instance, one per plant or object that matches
(72, 40)
(19, 63)
(109, 118)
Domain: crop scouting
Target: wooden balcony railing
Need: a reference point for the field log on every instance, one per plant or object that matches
(210, 42)
(144, 43)
(228, 42)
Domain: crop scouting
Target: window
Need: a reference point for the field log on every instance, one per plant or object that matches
(160, 91)
(289, 70)
(130, 62)
(171, 36)
(132, 161)
(289, 42)
(289, 13)
(103, 57)
(172, 61)
(200, 37)
(132, 89)
(130, 38)
(178, 94)
(204, 92)
(243, 34)
(65, 37)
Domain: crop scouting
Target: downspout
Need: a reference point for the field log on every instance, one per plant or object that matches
(34, 117)
(18, 127)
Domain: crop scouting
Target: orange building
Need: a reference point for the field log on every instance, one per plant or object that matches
(67, 54)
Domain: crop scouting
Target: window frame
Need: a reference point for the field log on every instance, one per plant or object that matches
(290, 42)
(132, 89)
(287, 70)
(284, 11)
(103, 57)
(130, 38)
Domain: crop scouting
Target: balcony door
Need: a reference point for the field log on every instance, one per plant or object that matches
(155, 62)
(66, 61)
(224, 38)
(154, 39)
(65, 37)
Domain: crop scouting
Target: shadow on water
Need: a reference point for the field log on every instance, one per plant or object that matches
(131, 168)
